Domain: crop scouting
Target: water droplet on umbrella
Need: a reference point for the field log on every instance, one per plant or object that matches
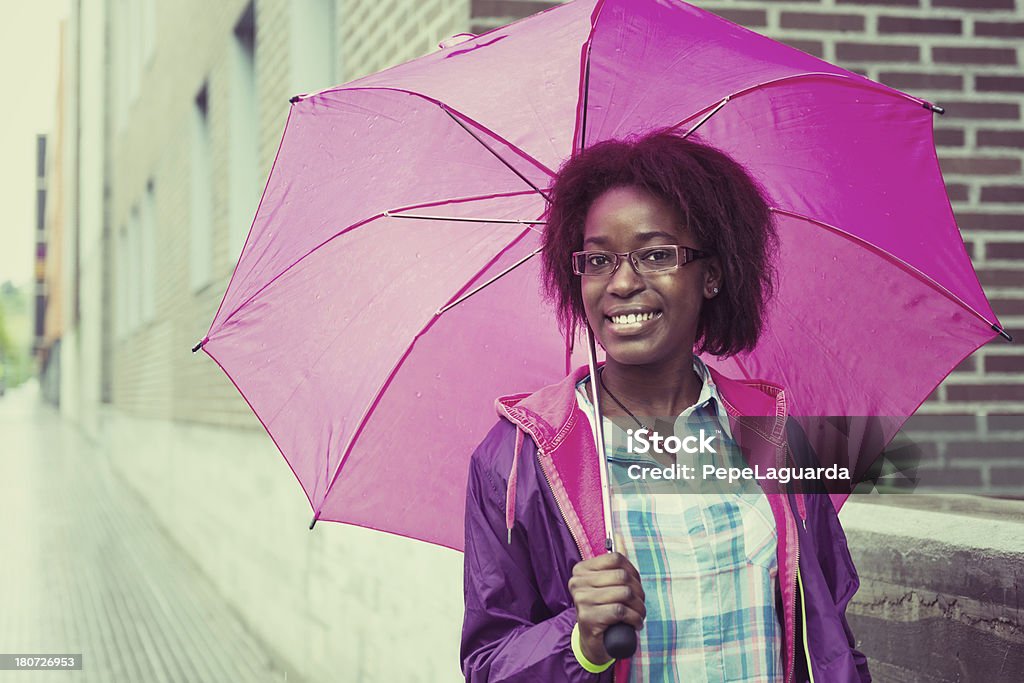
(419, 394)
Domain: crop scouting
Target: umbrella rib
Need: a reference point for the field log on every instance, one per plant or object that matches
(491, 281)
(463, 200)
(353, 226)
(742, 367)
(451, 113)
(450, 110)
(497, 156)
(465, 219)
(845, 79)
(234, 272)
(581, 105)
(586, 97)
(908, 268)
(365, 418)
(264, 423)
(704, 120)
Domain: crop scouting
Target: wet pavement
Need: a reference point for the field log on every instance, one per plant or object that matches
(85, 568)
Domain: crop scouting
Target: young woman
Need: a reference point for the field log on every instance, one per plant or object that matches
(663, 247)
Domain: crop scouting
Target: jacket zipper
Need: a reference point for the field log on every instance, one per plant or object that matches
(803, 626)
(561, 512)
(541, 452)
(796, 580)
(558, 504)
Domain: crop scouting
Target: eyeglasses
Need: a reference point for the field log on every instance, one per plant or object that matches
(644, 261)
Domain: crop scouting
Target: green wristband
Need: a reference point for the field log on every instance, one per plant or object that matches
(577, 650)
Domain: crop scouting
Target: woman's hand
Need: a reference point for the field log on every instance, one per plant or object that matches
(606, 590)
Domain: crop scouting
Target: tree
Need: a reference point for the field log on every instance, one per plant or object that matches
(15, 335)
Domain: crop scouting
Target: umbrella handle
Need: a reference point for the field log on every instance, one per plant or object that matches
(620, 640)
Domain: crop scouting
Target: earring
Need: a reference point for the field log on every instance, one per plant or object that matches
(715, 290)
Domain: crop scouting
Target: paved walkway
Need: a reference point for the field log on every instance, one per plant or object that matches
(85, 568)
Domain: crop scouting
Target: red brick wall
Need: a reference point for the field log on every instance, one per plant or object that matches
(965, 56)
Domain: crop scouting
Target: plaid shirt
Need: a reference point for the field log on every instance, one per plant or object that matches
(706, 555)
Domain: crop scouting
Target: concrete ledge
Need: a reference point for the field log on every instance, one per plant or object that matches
(940, 596)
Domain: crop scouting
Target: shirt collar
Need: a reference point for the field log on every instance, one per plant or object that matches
(708, 399)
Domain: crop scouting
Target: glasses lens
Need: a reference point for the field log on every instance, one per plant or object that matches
(594, 262)
(655, 259)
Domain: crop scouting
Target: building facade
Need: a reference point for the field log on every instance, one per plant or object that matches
(223, 96)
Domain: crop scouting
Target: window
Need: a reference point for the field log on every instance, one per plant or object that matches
(121, 284)
(148, 30)
(242, 172)
(314, 48)
(134, 49)
(148, 256)
(134, 252)
(201, 243)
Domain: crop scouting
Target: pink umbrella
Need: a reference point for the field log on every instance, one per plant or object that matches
(353, 326)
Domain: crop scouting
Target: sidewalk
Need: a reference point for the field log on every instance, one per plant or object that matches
(86, 569)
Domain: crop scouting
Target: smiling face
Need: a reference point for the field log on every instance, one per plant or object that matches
(648, 320)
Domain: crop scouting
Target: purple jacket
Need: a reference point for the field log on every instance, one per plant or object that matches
(533, 510)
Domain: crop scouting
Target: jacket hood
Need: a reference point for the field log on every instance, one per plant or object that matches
(546, 413)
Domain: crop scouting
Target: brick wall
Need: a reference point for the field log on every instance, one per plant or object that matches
(965, 56)
(377, 34)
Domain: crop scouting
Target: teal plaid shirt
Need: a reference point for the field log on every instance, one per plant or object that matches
(706, 556)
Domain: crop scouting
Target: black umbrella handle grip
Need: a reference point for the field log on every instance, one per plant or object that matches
(620, 640)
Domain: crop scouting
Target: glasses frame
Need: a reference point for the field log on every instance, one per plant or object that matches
(684, 255)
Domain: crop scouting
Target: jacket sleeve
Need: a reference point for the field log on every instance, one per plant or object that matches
(508, 633)
(834, 554)
(841, 576)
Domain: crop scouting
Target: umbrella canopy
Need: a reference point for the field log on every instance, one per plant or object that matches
(346, 324)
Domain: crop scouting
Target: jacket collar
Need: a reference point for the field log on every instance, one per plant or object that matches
(546, 414)
(567, 454)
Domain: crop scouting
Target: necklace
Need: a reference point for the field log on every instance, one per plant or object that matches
(600, 380)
